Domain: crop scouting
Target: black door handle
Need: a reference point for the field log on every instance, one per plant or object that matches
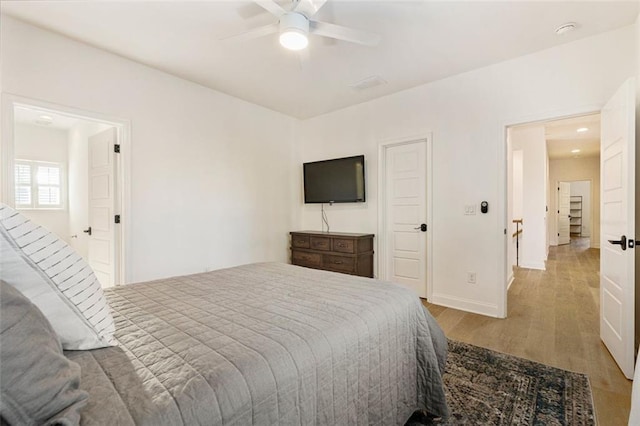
(88, 231)
(622, 242)
(422, 227)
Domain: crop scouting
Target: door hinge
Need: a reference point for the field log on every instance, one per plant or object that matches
(558, 211)
(116, 218)
(505, 231)
(116, 148)
(558, 234)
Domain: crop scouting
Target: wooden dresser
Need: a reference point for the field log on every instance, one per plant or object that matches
(336, 251)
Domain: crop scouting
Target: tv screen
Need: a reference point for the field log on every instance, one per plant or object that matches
(334, 181)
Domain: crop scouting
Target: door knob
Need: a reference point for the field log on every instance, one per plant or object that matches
(622, 242)
(422, 227)
(87, 231)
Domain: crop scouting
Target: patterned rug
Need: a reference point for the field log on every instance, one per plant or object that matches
(484, 387)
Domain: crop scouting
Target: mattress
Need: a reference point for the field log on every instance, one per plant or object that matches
(265, 344)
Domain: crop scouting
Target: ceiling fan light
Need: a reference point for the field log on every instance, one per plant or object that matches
(294, 28)
(294, 39)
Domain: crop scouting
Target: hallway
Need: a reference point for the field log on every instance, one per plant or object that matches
(553, 318)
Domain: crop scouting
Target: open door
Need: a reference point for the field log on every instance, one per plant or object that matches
(564, 197)
(617, 266)
(102, 254)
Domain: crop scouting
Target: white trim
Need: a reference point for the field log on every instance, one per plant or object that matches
(123, 170)
(468, 305)
(381, 240)
(502, 239)
(510, 279)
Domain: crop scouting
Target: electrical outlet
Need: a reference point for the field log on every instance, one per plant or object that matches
(471, 277)
(470, 209)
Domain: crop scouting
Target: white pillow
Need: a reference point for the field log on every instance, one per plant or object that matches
(57, 280)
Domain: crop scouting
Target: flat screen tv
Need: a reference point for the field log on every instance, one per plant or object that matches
(340, 180)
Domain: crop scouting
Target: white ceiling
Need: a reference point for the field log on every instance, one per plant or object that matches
(562, 137)
(422, 41)
(35, 117)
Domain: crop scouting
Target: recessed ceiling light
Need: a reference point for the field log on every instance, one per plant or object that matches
(565, 28)
(582, 129)
(575, 151)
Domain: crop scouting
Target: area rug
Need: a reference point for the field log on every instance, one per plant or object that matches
(484, 387)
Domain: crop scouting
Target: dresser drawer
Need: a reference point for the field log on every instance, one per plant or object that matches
(300, 241)
(339, 263)
(343, 245)
(303, 258)
(320, 243)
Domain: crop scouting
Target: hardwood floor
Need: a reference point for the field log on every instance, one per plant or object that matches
(553, 318)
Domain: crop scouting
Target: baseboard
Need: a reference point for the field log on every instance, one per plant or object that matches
(533, 265)
(510, 281)
(595, 245)
(467, 305)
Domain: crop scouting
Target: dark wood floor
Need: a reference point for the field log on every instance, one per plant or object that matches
(553, 318)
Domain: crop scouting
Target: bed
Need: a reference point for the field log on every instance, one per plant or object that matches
(264, 344)
(260, 344)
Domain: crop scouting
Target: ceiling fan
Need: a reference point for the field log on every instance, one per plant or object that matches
(296, 24)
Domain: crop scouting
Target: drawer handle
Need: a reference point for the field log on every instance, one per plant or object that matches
(340, 244)
(300, 241)
(337, 262)
(304, 257)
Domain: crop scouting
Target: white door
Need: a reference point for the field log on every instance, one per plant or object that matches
(102, 256)
(564, 197)
(617, 174)
(406, 213)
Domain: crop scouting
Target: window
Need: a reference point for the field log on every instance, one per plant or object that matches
(39, 185)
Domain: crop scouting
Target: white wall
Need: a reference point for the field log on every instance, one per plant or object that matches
(79, 182)
(467, 114)
(530, 140)
(514, 205)
(39, 143)
(576, 169)
(212, 177)
(637, 252)
(583, 189)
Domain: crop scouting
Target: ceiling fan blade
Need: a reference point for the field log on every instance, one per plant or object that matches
(271, 6)
(254, 33)
(343, 33)
(309, 7)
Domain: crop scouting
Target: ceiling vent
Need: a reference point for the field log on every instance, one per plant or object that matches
(368, 83)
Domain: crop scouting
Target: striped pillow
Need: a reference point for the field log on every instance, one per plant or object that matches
(57, 280)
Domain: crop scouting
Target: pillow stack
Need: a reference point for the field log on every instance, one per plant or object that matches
(57, 280)
(50, 300)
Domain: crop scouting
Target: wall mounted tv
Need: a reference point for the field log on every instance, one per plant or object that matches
(340, 180)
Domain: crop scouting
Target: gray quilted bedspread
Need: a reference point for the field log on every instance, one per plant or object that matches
(265, 344)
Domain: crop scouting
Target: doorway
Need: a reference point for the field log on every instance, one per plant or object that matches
(553, 186)
(49, 161)
(575, 212)
(617, 178)
(404, 242)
